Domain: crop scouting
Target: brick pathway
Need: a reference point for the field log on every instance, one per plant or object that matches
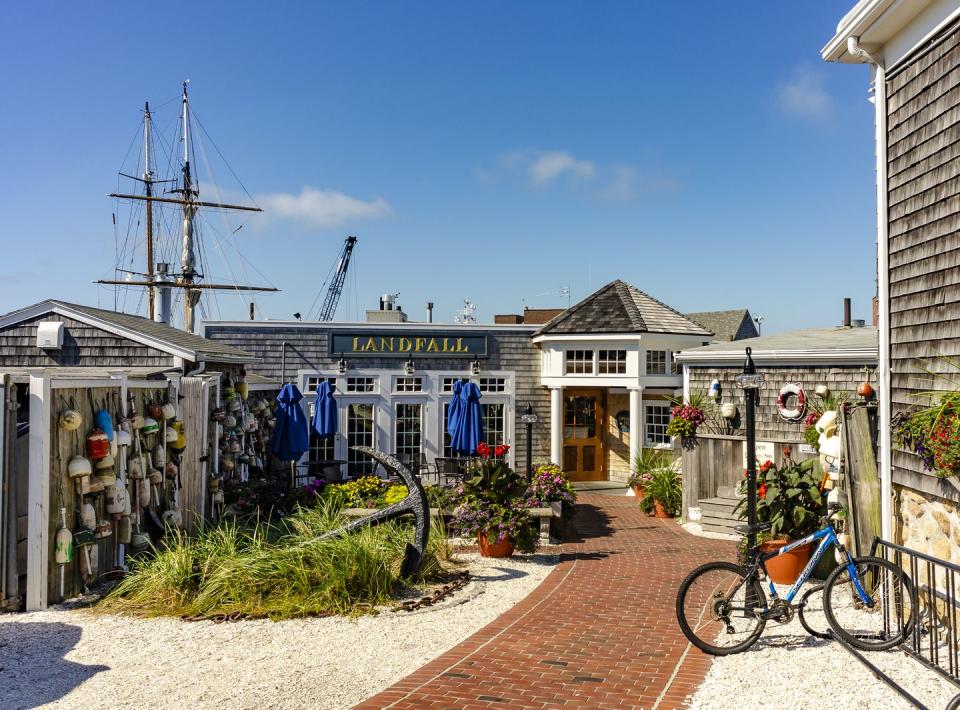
(599, 632)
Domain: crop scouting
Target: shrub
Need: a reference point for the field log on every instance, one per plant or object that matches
(280, 570)
(395, 494)
(788, 498)
(665, 487)
(550, 485)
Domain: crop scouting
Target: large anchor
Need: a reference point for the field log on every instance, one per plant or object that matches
(415, 503)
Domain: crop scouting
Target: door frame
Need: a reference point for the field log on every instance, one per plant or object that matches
(600, 393)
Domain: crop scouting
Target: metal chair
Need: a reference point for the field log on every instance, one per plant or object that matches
(448, 470)
(428, 469)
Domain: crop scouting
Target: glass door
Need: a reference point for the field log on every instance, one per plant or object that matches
(583, 454)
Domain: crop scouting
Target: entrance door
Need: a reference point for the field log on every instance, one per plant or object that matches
(583, 455)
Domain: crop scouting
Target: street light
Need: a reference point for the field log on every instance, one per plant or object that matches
(751, 382)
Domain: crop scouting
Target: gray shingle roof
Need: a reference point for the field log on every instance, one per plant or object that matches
(619, 307)
(736, 324)
(204, 348)
(813, 344)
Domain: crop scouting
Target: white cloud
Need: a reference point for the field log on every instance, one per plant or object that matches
(803, 95)
(548, 166)
(321, 208)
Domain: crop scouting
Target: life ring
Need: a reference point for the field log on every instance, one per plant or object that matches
(796, 412)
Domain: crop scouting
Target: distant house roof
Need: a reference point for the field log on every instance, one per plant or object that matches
(530, 316)
(818, 346)
(619, 307)
(178, 343)
(727, 325)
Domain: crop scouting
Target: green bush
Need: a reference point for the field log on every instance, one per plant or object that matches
(665, 486)
(280, 570)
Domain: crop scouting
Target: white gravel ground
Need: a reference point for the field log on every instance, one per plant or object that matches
(75, 659)
(789, 668)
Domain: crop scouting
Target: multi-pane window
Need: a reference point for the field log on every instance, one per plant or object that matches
(361, 384)
(446, 384)
(409, 384)
(314, 380)
(612, 362)
(494, 429)
(447, 451)
(657, 418)
(657, 362)
(359, 433)
(493, 384)
(579, 362)
(408, 425)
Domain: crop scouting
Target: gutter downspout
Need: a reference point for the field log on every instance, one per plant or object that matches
(883, 286)
(199, 371)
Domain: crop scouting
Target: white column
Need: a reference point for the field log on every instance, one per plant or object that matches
(38, 491)
(636, 422)
(556, 425)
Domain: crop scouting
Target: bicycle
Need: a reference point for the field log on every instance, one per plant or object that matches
(868, 602)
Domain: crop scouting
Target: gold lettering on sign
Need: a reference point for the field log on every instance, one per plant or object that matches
(386, 345)
(461, 348)
(356, 344)
(371, 346)
(432, 346)
(446, 345)
(419, 345)
(405, 345)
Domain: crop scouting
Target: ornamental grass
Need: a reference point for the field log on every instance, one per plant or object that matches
(275, 569)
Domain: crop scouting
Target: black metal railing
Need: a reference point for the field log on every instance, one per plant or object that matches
(934, 639)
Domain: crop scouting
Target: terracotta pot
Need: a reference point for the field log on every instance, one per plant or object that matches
(660, 511)
(785, 568)
(495, 549)
(638, 491)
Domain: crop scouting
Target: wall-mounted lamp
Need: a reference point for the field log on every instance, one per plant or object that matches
(409, 367)
(342, 366)
(475, 367)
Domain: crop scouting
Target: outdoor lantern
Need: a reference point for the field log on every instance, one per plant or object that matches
(409, 367)
(475, 367)
(342, 365)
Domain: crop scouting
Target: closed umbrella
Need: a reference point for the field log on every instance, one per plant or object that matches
(325, 411)
(468, 431)
(453, 409)
(290, 439)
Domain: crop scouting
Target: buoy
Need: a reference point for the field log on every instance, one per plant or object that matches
(103, 530)
(88, 516)
(170, 436)
(89, 562)
(135, 467)
(728, 410)
(242, 389)
(143, 493)
(116, 496)
(98, 445)
(794, 413)
(139, 541)
(229, 422)
(180, 441)
(168, 411)
(150, 426)
(79, 467)
(159, 455)
(155, 410)
(124, 438)
(137, 421)
(92, 484)
(170, 470)
(63, 547)
(172, 518)
(104, 422)
(70, 420)
(124, 528)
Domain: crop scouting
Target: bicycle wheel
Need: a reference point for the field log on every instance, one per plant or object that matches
(881, 626)
(810, 613)
(718, 608)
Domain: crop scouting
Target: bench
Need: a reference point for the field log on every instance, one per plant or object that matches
(543, 516)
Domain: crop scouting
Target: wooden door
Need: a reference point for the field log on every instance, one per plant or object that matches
(584, 457)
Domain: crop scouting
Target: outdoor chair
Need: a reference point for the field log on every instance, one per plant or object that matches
(427, 469)
(449, 470)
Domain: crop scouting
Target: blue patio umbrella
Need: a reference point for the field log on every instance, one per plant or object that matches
(468, 430)
(325, 411)
(290, 439)
(453, 409)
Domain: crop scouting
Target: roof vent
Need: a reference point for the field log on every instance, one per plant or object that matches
(50, 335)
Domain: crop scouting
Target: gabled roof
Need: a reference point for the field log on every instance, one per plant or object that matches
(815, 346)
(726, 325)
(138, 329)
(619, 307)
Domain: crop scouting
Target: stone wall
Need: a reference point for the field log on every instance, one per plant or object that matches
(617, 442)
(927, 524)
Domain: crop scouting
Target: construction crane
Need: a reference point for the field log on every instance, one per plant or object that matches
(329, 307)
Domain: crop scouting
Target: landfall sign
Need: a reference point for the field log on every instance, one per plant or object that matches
(407, 345)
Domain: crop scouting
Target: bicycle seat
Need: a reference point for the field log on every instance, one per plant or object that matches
(748, 529)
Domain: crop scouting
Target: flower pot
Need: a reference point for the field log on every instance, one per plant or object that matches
(638, 491)
(660, 511)
(785, 568)
(495, 549)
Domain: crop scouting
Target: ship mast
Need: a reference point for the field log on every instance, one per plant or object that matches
(188, 198)
(188, 261)
(148, 181)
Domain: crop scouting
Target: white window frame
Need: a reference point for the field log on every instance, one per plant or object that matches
(601, 361)
(376, 405)
(375, 379)
(592, 360)
(394, 388)
(667, 367)
(647, 405)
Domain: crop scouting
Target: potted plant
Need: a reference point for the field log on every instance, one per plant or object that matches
(491, 506)
(549, 484)
(664, 492)
(789, 498)
(686, 418)
(644, 464)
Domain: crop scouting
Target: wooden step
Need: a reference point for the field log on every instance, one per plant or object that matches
(719, 504)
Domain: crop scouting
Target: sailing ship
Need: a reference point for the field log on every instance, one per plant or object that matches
(185, 196)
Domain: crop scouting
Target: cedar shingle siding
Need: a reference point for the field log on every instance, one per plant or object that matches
(83, 346)
(923, 139)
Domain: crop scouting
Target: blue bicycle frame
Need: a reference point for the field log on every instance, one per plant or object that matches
(827, 537)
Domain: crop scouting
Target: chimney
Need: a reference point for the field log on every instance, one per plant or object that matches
(846, 313)
(164, 296)
(429, 311)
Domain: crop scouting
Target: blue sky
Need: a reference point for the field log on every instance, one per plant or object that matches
(494, 151)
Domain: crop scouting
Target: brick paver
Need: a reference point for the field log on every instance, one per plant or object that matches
(599, 632)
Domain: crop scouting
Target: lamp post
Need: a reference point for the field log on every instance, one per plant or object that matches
(529, 419)
(751, 383)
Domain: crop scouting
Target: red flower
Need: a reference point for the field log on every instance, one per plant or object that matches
(762, 490)
(483, 450)
(787, 450)
(500, 451)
